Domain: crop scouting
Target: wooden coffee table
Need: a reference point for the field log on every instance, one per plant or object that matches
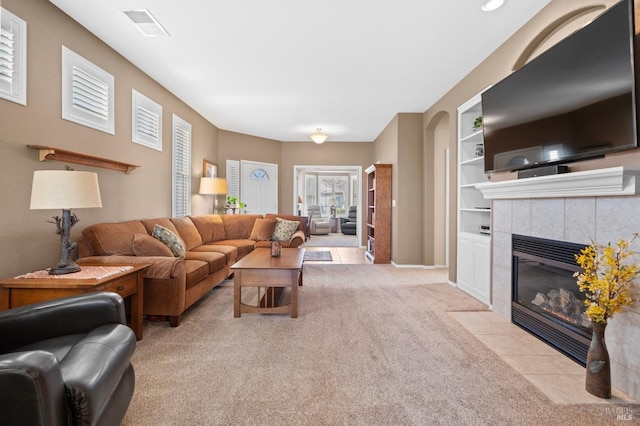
(271, 275)
(15, 292)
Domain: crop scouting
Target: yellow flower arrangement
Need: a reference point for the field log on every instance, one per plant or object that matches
(605, 279)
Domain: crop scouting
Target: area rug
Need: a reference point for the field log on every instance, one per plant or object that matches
(323, 255)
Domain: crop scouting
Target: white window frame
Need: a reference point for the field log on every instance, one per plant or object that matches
(13, 84)
(181, 138)
(146, 121)
(99, 112)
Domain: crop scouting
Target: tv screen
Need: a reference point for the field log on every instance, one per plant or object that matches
(574, 101)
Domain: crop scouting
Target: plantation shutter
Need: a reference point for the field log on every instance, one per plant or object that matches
(146, 128)
(90, 94)
(6, 55)
(13, 57)
(148, 122)
(181, 167)
(233, 178)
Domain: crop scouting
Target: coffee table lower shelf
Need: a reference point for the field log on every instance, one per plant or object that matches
(270, 276)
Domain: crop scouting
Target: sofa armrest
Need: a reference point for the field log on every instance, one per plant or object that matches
(297, 239)
(33, 390)
(71, 315)
(160, 267)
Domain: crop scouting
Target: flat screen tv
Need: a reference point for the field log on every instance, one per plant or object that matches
(575, 101)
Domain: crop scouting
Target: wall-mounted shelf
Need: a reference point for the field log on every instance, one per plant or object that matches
(51, 153)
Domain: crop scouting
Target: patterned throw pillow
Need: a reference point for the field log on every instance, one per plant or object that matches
(284, 229)
(170, 239)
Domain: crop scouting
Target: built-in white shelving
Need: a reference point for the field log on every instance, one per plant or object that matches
(474, 211)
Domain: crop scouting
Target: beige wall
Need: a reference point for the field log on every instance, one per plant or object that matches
(438, 201)
(407, 247)
(499, 65)
(400, 144)
(236, 146)
(28, 241)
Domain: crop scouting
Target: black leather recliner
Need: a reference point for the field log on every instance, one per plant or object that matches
(66, 361)
(348, 225)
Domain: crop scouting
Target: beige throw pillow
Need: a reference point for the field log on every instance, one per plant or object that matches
(262, 229)
(284, 229)
(146, 245)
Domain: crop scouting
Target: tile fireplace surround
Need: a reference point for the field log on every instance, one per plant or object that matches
(603, 205)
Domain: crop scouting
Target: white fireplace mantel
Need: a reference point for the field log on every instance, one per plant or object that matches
(589, 183)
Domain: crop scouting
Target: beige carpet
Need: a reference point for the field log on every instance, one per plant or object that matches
(373, 345)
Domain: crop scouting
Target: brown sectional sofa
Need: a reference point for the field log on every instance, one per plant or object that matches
(213, 243)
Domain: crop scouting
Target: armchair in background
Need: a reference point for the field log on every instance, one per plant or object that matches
(319, 225)
(350, 223)
(66, 362)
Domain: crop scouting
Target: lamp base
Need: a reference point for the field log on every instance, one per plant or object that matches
(60, 269)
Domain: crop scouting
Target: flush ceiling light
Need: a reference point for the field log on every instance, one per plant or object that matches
(146, 23)
(491, 5)
(318, 136)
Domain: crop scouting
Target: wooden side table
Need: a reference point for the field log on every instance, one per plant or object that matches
(16, 292)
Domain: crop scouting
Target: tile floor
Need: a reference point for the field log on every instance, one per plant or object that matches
(555, 375)
(342, 255)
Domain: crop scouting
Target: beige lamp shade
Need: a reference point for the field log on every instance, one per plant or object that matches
(213, 186)
(299, 199)
(64, 189)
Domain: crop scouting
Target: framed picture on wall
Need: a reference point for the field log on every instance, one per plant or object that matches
(209, 169)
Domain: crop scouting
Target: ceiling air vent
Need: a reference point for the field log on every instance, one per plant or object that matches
(146, 23)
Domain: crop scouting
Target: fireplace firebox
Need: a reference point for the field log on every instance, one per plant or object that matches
(546, 300)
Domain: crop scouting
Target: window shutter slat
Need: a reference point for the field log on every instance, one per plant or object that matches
(90, 94)
(6, 55)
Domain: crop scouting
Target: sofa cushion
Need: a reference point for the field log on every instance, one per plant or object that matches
(262, 229)
(188, 232)
(146, 245)
(230, 252)
(170, 239)
(238, 226)
(106, 239)
(210, 227)
(284, 229)
(243, 247)
(215, 260)
(195, 271)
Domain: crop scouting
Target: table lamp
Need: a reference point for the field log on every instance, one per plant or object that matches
(213, 186)
(66, 190)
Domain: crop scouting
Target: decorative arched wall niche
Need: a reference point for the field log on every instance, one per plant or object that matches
(556, 31)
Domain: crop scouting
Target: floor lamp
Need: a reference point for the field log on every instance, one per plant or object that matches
(66, 190)
(213, 186)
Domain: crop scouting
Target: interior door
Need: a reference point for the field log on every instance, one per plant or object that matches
(259, 187)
